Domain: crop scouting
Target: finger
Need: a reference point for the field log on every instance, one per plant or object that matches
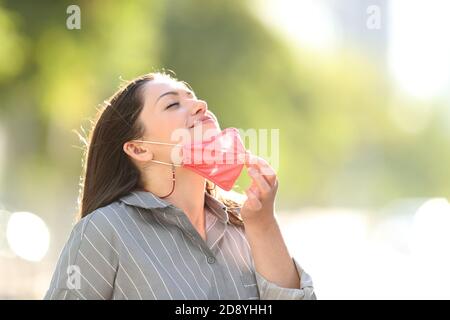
(262, 165)
(263, 186)
(255, 190)
(265, 167)
(252, 160)
(266, 170)
(268, 175)
(254, 203)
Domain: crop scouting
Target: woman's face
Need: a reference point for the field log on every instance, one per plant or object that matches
(173, 114)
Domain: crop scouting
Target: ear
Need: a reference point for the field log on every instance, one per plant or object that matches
(138, 151)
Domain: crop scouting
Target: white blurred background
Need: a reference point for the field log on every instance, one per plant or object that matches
(402, 253)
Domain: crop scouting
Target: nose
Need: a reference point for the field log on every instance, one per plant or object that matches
(199, 106)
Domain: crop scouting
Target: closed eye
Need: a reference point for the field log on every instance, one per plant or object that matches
(171, 105)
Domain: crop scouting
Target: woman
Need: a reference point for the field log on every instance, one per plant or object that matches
(152, 229)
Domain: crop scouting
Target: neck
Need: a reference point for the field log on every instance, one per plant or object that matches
(189, 192)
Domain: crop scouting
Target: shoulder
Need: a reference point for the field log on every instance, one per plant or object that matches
(103, 222)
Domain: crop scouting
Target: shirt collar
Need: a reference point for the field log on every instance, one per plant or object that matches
(147, 200)
(217, 207)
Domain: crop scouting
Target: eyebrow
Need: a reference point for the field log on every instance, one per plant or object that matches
(172, 92)
(165, 94)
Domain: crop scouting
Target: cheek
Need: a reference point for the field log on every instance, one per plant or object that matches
(162, 126)
(171, 129)
(173, 121)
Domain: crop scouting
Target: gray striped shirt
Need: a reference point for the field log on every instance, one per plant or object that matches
(142, 247)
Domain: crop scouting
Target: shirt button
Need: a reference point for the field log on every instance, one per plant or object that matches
(211, 260)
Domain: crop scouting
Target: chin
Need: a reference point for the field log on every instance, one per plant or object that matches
(205, 131)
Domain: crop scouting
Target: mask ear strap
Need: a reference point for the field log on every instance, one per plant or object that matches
(166, 163)
(160, 143)
(164, 144)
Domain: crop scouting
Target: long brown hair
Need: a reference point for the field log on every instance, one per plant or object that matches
(108, 173)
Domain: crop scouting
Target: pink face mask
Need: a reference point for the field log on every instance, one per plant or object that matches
(219, 159)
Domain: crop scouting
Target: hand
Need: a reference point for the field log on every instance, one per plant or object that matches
(259, 206)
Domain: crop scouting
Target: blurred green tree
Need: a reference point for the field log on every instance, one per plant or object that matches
(338, 144)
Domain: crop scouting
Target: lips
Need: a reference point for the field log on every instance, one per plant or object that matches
(202, 119)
